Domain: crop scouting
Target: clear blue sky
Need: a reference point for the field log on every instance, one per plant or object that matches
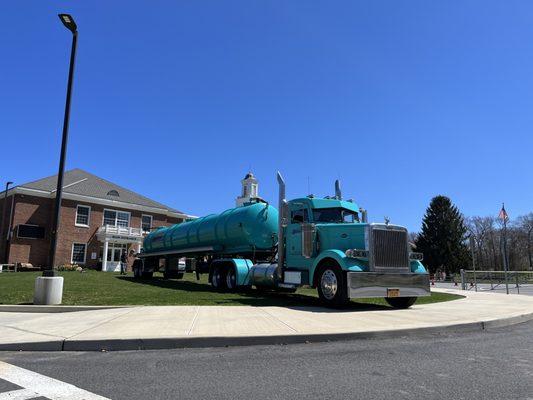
(401, 100)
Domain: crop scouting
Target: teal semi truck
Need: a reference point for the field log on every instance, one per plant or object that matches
(325, 243)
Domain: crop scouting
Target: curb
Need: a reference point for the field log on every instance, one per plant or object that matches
(223, 341)
(30, 308)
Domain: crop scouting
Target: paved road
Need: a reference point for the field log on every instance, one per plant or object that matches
(496, 364)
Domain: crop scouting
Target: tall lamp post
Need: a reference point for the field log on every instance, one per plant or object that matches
(3, 222)
(69, 23)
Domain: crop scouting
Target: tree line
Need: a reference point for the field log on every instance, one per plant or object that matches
(448, 240)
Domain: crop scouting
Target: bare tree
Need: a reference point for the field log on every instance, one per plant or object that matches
(525, 223)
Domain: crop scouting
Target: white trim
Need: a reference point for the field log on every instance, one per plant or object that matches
(88, 216)
(84, 253)
(96, 200)
(70, 184)
(151, 222)
(30, 238)
(116, 216)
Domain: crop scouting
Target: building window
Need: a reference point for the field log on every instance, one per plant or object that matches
(113, 193)
(26, 231)
(146, 223)
(78, 253)
(82, 215)
(116, 218)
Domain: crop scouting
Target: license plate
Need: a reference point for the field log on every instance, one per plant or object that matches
(393, 292)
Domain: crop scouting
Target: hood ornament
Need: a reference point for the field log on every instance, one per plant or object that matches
(387, 220)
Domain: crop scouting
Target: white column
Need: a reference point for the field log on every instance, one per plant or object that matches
(104, 257)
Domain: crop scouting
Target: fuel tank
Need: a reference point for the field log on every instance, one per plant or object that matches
(238, 230)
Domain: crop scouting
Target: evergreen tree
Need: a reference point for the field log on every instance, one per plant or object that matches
(442, 239)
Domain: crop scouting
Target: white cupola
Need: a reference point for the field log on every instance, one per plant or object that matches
(249, 190)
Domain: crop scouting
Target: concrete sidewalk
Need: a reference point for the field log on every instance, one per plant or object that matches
(159, 327)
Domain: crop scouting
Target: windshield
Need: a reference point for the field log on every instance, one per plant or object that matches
(335, 215)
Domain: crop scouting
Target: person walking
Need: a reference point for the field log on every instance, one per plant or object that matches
(123, 263)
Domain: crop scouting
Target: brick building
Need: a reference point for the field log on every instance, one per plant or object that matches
(99, 221)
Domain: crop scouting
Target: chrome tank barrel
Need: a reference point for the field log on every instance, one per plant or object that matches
(238, 230)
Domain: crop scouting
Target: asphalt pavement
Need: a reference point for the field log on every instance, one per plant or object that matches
(491, 364)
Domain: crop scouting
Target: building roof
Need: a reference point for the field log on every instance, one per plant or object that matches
(82, 183)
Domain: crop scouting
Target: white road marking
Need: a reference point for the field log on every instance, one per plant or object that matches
(20, 394)
(40, 385)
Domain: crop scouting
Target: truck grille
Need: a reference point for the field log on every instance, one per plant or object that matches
(389, 248)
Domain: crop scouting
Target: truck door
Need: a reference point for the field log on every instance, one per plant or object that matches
(298, 217)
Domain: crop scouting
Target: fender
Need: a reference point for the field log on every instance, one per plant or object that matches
(241, 266)
(346, 263)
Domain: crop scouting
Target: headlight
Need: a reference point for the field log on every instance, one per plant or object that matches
(355, 253)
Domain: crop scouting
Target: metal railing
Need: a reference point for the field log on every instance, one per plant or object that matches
(120, 230)
(470, 279)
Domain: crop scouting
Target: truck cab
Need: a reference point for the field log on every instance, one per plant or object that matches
(330, 246)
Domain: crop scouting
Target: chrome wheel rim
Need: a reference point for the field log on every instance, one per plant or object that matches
(328, 284)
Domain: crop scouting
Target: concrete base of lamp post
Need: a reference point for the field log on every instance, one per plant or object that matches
(48, 290)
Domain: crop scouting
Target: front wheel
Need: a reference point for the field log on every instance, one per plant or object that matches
(331, 286)
(401, 302)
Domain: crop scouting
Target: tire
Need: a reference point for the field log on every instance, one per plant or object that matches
(218, 278)
(147, 275)
(331, 286)
(137, 269)
(231, 280)
(401, 302)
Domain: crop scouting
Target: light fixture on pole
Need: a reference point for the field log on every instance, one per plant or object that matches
(3, 221)
(69, 23)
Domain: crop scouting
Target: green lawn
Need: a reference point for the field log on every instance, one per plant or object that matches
(98, 288)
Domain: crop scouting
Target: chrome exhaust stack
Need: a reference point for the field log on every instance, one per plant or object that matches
(282, 222)
(338, 194)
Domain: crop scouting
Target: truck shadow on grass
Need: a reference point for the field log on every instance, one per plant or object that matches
(250, 297)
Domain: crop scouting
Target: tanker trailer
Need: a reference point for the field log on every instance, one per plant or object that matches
(326, 243)
(248, 232)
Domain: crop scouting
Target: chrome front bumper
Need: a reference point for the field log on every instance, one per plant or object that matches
(373, 284)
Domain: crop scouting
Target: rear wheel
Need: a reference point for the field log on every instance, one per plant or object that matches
(331, 286)
(231, 279)
(401, 302)
(217, 278)
(147, 275)
(137, 269)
